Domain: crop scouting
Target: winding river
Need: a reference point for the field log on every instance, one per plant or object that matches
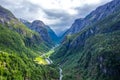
(60, 69)
(60, 72)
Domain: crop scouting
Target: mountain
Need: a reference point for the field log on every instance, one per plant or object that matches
(25, 22)
(53, 36)
(5, 15)
(95, 16)
(47, 34)
(90, 50)
(19, 46)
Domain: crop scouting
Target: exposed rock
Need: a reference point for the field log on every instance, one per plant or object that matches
(45, 31)
(5, 15)
(95, 16)
(39, 27)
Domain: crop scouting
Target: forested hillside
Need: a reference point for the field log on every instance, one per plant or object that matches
(19, 46)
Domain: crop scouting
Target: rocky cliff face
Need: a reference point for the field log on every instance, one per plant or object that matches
(93, 52)
(39, 27)
(52, 35)
(45, 31)
(5, 15)
(95, 16)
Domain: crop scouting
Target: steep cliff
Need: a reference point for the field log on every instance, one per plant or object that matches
(95, 16)
(47, 34)
(19, 46)
(92, 53)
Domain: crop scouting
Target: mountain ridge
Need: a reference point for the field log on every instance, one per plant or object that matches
(45, 31)
(19, 46)
(94, 16)
(93, 52)
(89, 49)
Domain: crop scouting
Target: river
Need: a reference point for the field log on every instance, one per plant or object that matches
(60, 69)
(60, 72)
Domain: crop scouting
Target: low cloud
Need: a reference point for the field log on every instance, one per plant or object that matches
(58, 14)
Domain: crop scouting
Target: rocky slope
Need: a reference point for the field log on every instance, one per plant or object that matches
(19, 46)
(45, 31)
(92, 53)
(95, 16)
(5, 15)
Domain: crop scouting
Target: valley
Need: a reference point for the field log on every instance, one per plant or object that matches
(45, 60)
(88, 50)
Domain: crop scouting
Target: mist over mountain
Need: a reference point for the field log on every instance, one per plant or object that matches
(95, 16)
(88, 50)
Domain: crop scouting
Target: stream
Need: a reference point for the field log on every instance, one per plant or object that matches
(60, 72)
(60, 69)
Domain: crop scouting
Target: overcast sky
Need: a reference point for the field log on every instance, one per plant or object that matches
(58, 14)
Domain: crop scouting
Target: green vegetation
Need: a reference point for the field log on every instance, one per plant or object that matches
(19, 47)
(92, 54)
(49, 53)
(41, 60)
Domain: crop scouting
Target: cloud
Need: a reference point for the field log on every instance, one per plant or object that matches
(59, 14)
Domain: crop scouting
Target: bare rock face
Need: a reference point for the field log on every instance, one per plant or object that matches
(95, 16)
(47, 34)
(88, 44)
(39, 27)
(5, 15)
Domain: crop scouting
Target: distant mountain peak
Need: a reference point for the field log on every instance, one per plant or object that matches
(23, 20)
(38, 23)
(5, 15)
(95, 16)
(47, 34)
